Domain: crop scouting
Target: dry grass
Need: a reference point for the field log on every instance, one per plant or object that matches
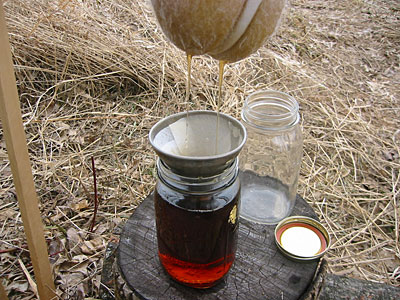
(94, 76)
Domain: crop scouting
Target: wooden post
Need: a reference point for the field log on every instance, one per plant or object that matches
(3, 294)
(17, 150)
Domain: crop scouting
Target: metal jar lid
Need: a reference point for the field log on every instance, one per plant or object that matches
(302, 238)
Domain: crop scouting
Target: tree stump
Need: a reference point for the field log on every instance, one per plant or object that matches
(344, 288)
(260, 271)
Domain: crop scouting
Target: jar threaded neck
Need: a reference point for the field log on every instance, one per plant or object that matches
(270, 110)
(197, 184)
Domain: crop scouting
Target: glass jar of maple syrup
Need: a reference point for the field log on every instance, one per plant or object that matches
(197, 194)
(197, 224)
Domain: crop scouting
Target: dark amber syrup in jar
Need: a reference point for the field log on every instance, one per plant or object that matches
(197, 234)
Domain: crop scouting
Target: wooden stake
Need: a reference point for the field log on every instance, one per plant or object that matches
(3, 293)
(17, 150)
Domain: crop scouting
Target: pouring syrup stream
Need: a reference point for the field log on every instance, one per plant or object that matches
(220, 82)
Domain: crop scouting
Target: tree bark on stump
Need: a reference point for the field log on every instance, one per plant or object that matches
(344, 288)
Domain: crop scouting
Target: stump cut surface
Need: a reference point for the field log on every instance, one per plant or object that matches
(260, 271)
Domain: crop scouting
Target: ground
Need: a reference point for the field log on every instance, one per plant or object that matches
(94, 76)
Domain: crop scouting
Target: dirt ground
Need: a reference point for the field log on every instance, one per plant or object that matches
(94, 76)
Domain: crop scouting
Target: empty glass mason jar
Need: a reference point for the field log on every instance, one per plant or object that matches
(270, 160)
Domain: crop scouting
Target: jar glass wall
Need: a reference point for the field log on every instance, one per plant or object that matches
(270, 160)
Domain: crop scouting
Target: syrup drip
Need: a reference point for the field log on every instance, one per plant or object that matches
(220, 82)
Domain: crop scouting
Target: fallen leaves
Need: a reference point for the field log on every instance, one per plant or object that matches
(81, 263)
